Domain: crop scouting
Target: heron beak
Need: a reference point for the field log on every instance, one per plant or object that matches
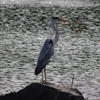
(65, 20)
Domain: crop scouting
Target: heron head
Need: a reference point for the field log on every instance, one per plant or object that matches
(59, 19)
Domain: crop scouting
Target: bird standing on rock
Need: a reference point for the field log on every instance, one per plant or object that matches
(47, 50)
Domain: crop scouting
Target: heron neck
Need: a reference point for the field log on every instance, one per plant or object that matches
(56, 32)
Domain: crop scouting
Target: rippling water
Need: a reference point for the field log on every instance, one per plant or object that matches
(23, 30)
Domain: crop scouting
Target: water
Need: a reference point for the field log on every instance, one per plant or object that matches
(53, 2)
(23, 30)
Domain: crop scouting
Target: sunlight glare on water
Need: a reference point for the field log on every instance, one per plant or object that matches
(69, 3)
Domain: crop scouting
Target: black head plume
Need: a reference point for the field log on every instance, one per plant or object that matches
(56, 18)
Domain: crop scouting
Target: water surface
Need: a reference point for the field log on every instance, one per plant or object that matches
(23, 30)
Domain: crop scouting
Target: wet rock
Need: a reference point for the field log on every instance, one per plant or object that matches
(38, 91)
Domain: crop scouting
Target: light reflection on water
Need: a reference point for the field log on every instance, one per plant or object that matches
(23, 31)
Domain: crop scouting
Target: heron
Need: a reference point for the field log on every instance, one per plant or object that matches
(47, 50)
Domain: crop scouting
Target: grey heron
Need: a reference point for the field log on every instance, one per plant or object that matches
(47, 50)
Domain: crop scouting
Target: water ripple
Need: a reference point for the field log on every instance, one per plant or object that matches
(23, 30)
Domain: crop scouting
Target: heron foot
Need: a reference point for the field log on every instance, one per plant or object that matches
(44, 82)
(47, 83)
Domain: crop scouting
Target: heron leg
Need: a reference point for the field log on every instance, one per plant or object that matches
(45, 74)
(43, 78)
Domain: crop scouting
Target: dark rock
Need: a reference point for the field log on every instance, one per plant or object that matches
(38, 91)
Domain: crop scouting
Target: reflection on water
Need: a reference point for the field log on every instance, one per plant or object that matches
(23, 30)
(69, 3)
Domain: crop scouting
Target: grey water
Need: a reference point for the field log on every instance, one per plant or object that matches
(25, 27)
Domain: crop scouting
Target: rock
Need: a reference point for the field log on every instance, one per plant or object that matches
(39, 91)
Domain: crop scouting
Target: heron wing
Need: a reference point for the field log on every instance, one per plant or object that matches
(45, 55)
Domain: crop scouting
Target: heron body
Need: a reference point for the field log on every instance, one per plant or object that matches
(47, 50)
(45, 54)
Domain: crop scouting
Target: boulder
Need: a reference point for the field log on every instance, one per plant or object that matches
(40, 91)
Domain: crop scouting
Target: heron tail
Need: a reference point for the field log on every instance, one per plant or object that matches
(37, 70)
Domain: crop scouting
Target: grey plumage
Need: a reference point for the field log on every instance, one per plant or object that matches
(45, 54)
(48, 49)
